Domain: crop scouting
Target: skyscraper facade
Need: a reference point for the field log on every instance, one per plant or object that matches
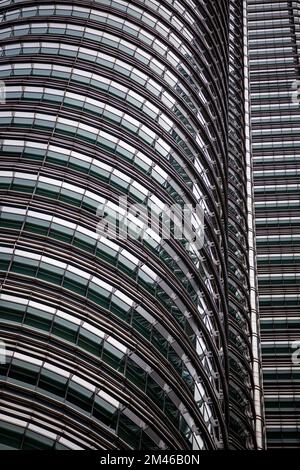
(245, 397)
(127, 342)
(274, 43)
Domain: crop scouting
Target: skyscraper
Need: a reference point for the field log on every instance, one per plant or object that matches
(274, 41)
(136, 342)
(245, 398)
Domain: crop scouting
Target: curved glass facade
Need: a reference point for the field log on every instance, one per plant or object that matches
(125, 342)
